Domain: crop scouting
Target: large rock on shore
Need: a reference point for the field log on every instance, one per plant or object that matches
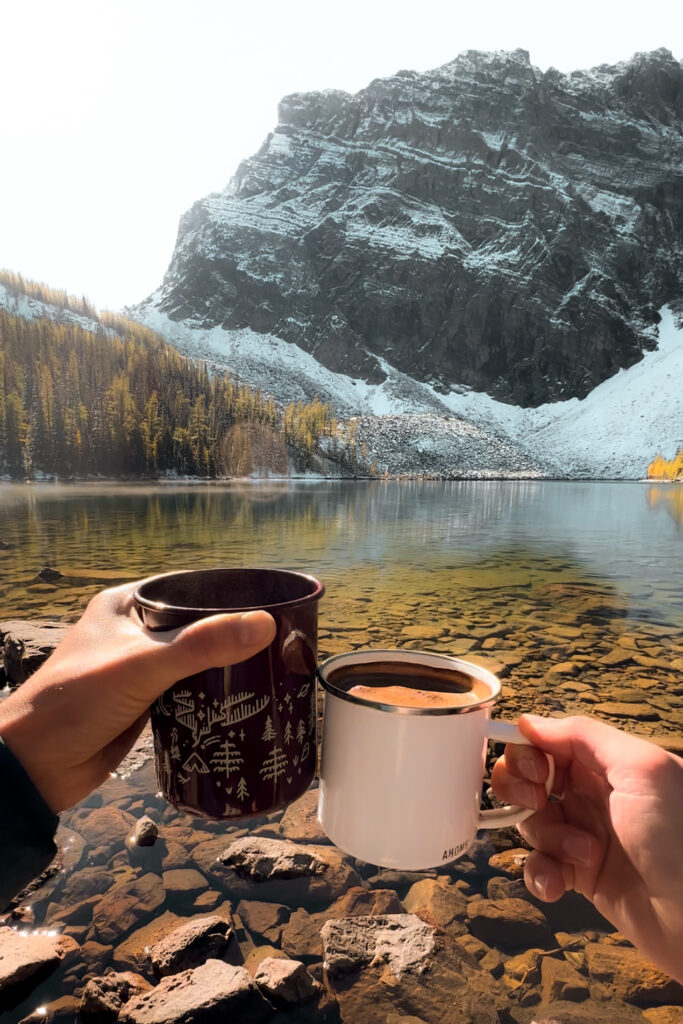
(28, 958)
(396, 964)
(24, 646)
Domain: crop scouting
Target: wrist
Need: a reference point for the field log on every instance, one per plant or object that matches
(22, 735)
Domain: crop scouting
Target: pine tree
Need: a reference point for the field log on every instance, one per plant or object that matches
(274, 766)
(268, 731)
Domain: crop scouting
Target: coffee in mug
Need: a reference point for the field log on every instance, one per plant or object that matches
(404, 753)
(239, 740)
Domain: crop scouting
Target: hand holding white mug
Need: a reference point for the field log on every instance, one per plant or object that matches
(400, 783)
(615, 836)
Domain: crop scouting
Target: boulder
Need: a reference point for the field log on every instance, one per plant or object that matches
(630, 977)
(206, 900)
(401, 881)
(286, 983)
(93, 956)
(24, 646)
(300, 820)
(664, 1015)
(127, 904)
(29, 957)
(184, 881)
(560, 981)
(190, 945)
(616, 709)
(133, 952)
(104, 996)
(301, 935)
(145, 832)
(263, 869)
(394, 964)
(72, 913)
(263, 920)
(403, 942)
(259, 954)
(214, 991)
(106, 826)
(86, 882)
(510, 862)
(439, 902)
(508, 923)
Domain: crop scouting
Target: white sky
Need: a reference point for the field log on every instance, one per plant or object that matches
(118, 114)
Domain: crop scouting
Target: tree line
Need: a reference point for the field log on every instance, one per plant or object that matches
(119, 401)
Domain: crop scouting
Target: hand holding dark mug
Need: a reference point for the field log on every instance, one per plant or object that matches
(73, 721)
(236, 740)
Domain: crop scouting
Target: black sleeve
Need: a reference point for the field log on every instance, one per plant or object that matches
(27, 829)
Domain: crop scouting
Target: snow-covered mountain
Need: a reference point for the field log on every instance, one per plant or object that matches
(481, 226)
(409, 427)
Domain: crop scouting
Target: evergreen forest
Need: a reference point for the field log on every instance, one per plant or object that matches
(84, 394)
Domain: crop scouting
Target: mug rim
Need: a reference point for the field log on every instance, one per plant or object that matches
(163, 606)
(372, 655)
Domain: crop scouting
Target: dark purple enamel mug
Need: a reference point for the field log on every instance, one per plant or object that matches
(237, 741)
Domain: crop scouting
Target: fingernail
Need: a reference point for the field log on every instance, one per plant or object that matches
(529, 769)
(578, 848)
(540, 884)
(254, 628)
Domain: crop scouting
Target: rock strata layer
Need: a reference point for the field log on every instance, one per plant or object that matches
(483, 224)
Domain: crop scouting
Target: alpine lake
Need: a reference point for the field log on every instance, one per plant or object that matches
(571, 591)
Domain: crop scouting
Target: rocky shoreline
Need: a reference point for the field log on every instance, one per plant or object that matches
(148, 915)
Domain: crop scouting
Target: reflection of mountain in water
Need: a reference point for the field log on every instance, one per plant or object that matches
(670, 497)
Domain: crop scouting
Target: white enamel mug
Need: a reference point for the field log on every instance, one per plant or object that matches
(400, 787)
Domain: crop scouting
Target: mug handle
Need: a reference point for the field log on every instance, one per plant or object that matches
(499, 817)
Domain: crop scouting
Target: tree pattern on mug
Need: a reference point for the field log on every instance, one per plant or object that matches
(238, 753)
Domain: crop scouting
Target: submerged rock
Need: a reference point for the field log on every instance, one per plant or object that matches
(145, 832)
(630, 977)
(215, 991)
(286, 983)
(104, 997)
(402, 942)
(263, 868)
(190, 945)
(124, 905)
(508, 923)
(376, 966)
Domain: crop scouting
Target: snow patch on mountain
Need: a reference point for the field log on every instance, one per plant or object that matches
(35, 309)
(613, 433)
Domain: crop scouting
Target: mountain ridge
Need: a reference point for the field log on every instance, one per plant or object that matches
(485, 225)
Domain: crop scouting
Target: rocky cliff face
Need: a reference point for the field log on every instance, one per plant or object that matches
(483, 224)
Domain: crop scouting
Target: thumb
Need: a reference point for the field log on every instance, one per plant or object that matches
(216, 641)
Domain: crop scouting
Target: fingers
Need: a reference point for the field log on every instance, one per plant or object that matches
(598, 747)
(209, 643)
(552, 835)
(517, 780)
(546, 878)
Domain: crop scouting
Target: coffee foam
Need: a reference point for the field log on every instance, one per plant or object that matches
(411, 697)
